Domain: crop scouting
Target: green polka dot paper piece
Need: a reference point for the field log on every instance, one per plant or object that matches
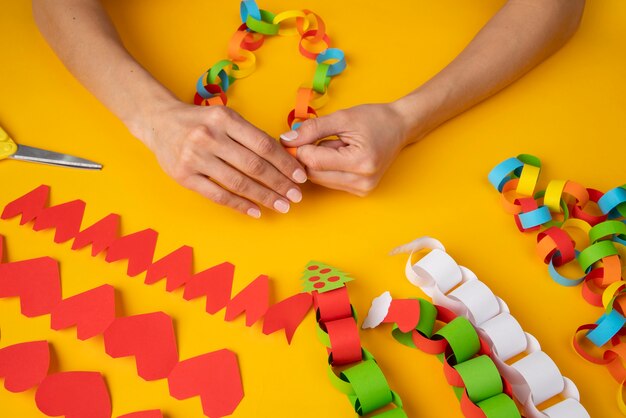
(322, 278)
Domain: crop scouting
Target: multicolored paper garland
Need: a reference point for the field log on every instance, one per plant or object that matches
(360, 378)
(534, 378)
(257, 24)
(579, 226)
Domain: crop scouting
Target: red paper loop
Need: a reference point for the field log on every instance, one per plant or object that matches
(344, 341)
(313, 34)
(578, 212)
(563, 251)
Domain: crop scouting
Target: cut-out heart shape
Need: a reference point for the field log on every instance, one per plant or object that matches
(24, 365)
(29, 206)
(215, 377)
(405, 313)
(215, 283)
(74, 395)
(154, 413)
(100, 235)
(287, 314)
(176, 268)
(65, 218)
(253, 300)
(36, 282)
(137, 248)
(149, 338)
(92, 312)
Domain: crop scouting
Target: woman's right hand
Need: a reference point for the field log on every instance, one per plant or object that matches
(215, 152)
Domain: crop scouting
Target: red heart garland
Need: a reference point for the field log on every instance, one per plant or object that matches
(100, 235)
(36, 282)
(92, 312)
(24, 365)
(176, 267)
(215, 283)
(215, 377)
(29, 206)
(253, 300)
(137, 248)
(74, 395)
(149, 338)
(65, 218)
(287, 314)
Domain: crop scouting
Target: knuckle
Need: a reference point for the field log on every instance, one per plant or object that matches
(265, 146)
(369, 165)
(219, 196)
(366, 185)
(198, 135)
(218, 113)
(310, 160)
(255, 166)
(238, 184)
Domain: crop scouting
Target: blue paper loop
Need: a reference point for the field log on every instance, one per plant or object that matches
(608, 325)
(333, 54)
(249, 7)
(558, 277)
(501, 173)
(536, 217)
(612, 199)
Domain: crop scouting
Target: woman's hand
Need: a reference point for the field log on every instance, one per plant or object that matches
(370, 138)
(215, 152)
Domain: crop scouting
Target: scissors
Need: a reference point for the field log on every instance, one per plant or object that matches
(9, 149)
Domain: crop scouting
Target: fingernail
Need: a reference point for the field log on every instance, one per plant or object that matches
(289, 136)
(299, 175)
(281, 206)
(255, 213)
(294, 195)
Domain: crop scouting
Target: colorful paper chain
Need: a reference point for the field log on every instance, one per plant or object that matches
(477, 349)
(361, 379)
(581, 226)
(314, 44)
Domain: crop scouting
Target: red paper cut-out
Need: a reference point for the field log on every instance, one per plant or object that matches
(405, 313)
(253, 300)
(29, 206)
(36, 282)
(176, 268)
(91, 312)
(215, 377)
(74, 395)
(215, 283)
(154, 413)
(287, 314)
(137, 248)
(24, 365)
(100, 235)
(65, 218)
(1, 249)
(149, 338)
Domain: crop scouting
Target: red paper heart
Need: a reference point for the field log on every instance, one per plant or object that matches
(215, 377)
(65, 218)
(100, 235)
(215, 283)
(36, 282)
(29, 206)
(253, 300)
(287, 314)
(176, 268)
(137, 248)
(154, 413)
(149, 338)
(92, 312)
(74, 395)
(405, 313)
(24, 365)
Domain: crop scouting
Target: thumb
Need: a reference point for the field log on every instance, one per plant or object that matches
(312, 130)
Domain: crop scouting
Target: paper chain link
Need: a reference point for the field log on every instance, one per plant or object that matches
(361, 379)
(581, 226)
(257, 24)
(489, 337)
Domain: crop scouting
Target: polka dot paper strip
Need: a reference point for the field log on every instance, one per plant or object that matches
(352, 369)
(584, 229)
(257, 25)
(482, 346)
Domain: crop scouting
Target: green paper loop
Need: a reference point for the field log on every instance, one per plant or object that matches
(481, 378)
(320, 79)
(322, 336)
(462, 337)
(458, 392)
(606, 229)
(404, 338)
(530, 160)
(339, 383)
(596, 252)
(263, 26)
(499, 406)
(428, 317)
(370, 387)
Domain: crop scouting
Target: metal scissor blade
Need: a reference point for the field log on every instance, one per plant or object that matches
(25, 153)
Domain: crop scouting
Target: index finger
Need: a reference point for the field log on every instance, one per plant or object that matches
(327, 158)
(266, 147)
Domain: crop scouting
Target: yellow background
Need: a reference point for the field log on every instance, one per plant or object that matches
(570, 112)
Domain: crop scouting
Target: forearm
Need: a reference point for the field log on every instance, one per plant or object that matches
(82, 35)
(520, 36)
